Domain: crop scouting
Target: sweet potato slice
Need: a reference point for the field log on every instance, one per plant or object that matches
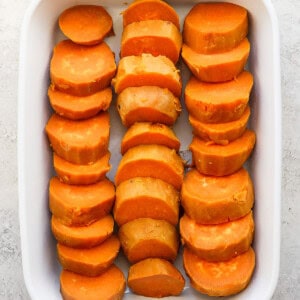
(146, 197)
(148, 104)
(221, 160)
(86, 24)
(206, 30)
(143, 133)
(83, 236)
(218, 102)
(81, 174)
(147, 69)
(156, 37)
(219, 278)
(148, 238)
(109, 285)
(89, 261)
(217, 242)
(215, 200)
(79, 142)
(80, 205)
(218, 67)
(141, 10)
(155, 277)
(82, 70)
(155, 161)
(76, 107)
(221, 133)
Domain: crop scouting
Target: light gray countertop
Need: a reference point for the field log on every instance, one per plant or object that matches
(11, 278)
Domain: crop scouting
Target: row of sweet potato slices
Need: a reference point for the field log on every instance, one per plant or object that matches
(217, 195)
(150, 173)
(81, 198)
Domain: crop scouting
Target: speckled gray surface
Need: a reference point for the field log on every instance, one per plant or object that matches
(11, 279)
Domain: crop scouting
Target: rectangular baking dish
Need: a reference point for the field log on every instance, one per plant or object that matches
(39, 34)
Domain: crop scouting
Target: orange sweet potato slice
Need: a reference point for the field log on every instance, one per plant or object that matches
(155, 161)
(79, 142)
(155, 277)
(219, 278)
(221, 160)
(206, 30)
(143, 133)
(221, 133)
(146, 197)
(141, 10)
(89, 261)
(76, 107)
(218, 102)
(81, 174)
(148, 104)
(148, 238)
(80, 205)
(86, 24)
(218, 67)
(109, 285)
(147, 69)
(215, 200)
(217, 242)
(83, 236)
(156, 37)
(81, 70)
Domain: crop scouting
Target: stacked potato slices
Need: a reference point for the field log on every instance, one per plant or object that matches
(81, 198)
(217, 194)
(150, 173)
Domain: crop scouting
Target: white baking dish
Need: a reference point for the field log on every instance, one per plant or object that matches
(39, 34)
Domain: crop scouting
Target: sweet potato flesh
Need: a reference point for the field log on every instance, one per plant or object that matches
(148, 104)
(218, 102)
(206, 30)
(217, 199)
(141, 10)
(146, 197)
(218, 242)
(220, 160)
(219, 278)
(85, 24)
(154, 277)
(109, 285)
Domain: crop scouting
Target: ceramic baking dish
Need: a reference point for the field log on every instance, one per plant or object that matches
(39, 34)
